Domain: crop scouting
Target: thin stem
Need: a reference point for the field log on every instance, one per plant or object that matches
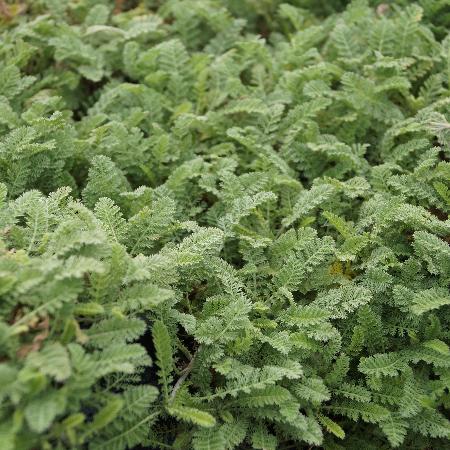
(184, 375)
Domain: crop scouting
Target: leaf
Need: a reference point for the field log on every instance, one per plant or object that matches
(234, 432)
(193, 415)
(310, 253)
(102, 333)
(104, 180)
(89, 309)
(105, 415)
(150, 224)
(209, 439)
(353, 392)
(164, 359)
(243, 207)
(395, 429)
(262, 439)
(111, 218)
(331, 426)
(431, 423)
(437, 345)
(312, 389)
(308, 201)
(388, 364)
(8, 435)
(137, 399)
(428, 300)
(121, 357)
(304, 316)
(246, 105)
(52, 360)
(368, 412)
(270, 395)
(342, 301)
(41, 411)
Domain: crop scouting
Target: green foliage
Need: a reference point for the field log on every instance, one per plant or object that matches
(224, 224)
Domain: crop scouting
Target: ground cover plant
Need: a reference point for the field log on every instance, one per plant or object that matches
(224, 224)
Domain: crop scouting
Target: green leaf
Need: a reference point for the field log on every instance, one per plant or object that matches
(42, 411)
(331, 426)
(368, 412)
(52, 360)
(105, 415)
(164, 359)
(270, 395)
(428, 300)
(193, 415)
(209, 439)
(312, 389)
(388, 364)
(262, 439)
(395, 429)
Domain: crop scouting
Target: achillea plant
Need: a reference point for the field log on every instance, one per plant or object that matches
(224, 225)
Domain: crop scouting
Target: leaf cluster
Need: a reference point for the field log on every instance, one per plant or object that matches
(224, 225)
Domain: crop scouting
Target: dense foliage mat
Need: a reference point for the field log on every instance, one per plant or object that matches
(224, 224)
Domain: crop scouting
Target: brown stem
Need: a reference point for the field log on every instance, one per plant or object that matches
(118, 6)
(4, 10)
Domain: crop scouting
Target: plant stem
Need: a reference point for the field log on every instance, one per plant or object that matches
(184, 375)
